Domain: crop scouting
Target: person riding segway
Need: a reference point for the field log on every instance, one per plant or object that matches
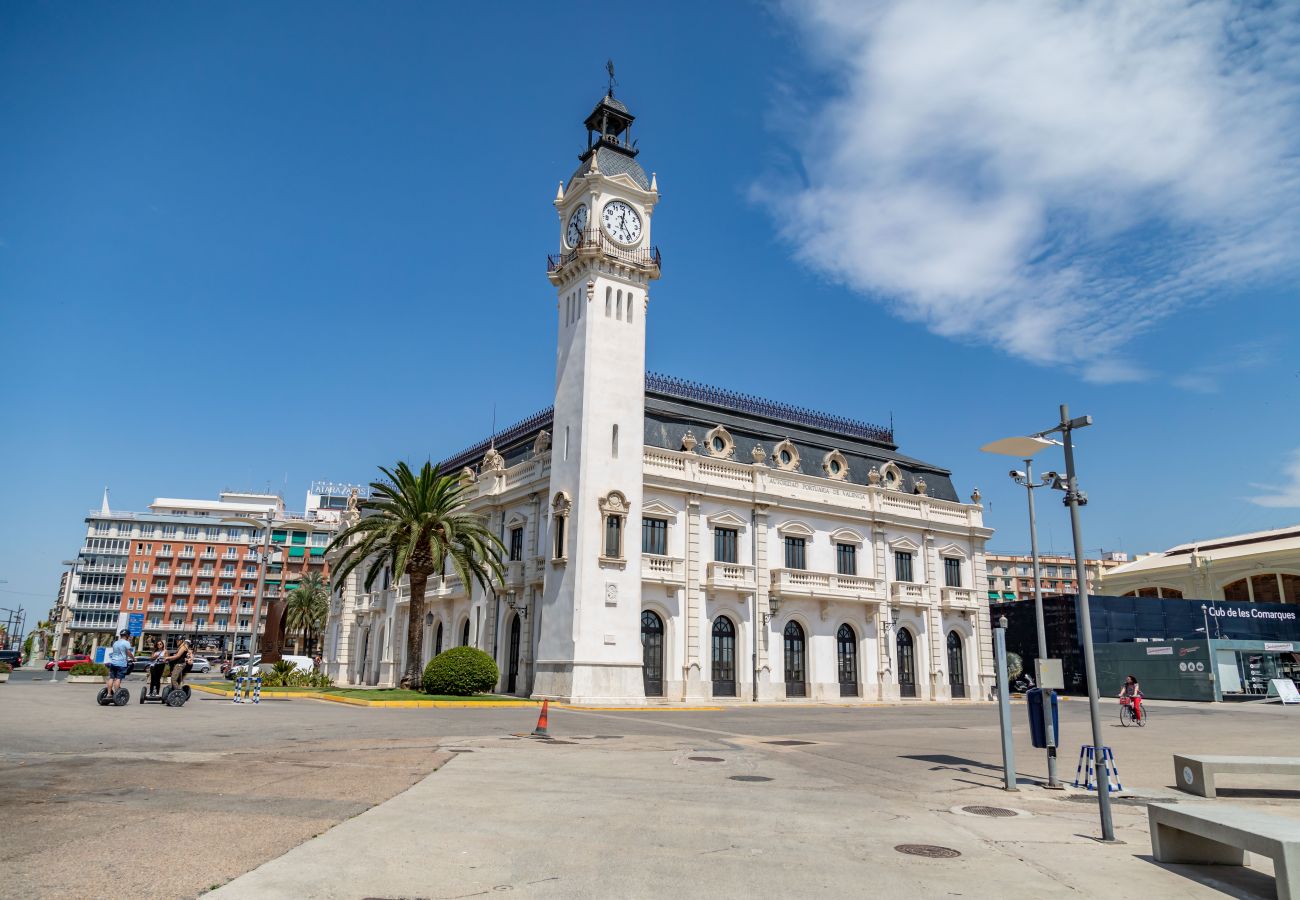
(174, 694)
(120, 659)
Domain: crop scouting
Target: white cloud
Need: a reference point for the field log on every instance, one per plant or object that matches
(1284, 496)
(1050, 178)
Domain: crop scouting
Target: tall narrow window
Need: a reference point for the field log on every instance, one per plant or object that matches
(614, 537)
(618, 309)
(794, 553)
(559, 536)
(846, 559)
(516, 544)
(629, 306)
(951, 572)
(902, 566)
(724, 545)
(609, 295)
(654, 537)
(613, 442)
(566, 441)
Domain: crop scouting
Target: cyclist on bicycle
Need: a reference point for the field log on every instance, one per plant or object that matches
(1131, 692)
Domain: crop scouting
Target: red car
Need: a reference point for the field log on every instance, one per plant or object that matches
(68, 662)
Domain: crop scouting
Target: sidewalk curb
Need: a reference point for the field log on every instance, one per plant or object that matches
(391, 704)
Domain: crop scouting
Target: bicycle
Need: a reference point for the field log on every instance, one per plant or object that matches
(1128, 716)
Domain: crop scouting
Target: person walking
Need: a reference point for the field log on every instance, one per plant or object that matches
(120, 659)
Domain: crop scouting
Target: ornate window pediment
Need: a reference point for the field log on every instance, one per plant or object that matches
(614, 502)
(835, 465)
(846, 536)
(794, 528)
(719, 443)
(905, 544)
(726, 519)
(954, 550)
(786, 456)
(515, 521)
(658, 508)
(562, 503)
(613, 510)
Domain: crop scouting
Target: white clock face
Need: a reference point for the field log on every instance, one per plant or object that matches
(577, 225)
(622, 222)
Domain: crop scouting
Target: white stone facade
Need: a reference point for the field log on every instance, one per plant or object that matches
(768, 558)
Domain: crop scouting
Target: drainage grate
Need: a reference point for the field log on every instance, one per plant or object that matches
(993, 812)
(706, 758)
(929, 851)
(750, 778)
(790, 743)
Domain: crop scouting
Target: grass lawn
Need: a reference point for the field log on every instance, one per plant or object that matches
(374, 693)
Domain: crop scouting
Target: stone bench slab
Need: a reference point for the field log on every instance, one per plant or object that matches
(1221, 834)
(1195, 774)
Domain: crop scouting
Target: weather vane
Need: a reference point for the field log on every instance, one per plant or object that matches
(609, 67)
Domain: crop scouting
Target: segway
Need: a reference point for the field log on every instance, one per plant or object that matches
(121, 697)
(175, 697)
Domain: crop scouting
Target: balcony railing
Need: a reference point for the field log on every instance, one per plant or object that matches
(158, 589)
(514, 575)
(595, 243)
(105, 570)
(165, 553)
(663, 569)
(960, 598)
(828, 585)
(730, 576)
(909, 593)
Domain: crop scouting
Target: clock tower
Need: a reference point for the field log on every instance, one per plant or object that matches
(589, 646)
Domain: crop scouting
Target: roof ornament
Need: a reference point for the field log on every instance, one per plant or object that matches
(654, 183)
(975, 496)
(688, 441)
(759, 455)
(609, 67)
(559, 192)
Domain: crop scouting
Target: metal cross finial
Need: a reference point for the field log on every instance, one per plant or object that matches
(609, 67)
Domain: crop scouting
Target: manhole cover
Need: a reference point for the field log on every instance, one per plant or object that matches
(929, 851)
(993, 812)
(790, 743)
(750, 778)
(706, 758)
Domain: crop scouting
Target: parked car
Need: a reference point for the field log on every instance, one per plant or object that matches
(241, 665)
(141, 664)
(13, 657)
(200, 665)
(68, 662)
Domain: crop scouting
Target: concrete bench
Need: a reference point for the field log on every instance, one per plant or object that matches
(1220, 834)
(1195, 774)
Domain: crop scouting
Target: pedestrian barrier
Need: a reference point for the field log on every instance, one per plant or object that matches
(243, 685)
(1086, 754)
(541, 730)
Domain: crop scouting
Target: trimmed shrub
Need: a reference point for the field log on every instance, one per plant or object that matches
(88, 669)
(5, 668)
(459, 672)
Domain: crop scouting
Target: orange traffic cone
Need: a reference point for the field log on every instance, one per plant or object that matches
(540, 730)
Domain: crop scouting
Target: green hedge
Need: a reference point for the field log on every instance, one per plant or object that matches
(88, 669)
(5, 668)
(459, 672)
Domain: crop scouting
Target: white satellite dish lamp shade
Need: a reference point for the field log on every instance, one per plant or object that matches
(1019, 447)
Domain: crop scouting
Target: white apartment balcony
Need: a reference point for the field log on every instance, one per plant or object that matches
(155, 607)
(226, 592)
(230, 554)
(907, 593)
(722, 576)
(251, 556)
(956, 598)
(270, 593)
(826, 585)
(162, 570)
(248, 592)
(207, 572)
(101, 551)
(201, 607)
(165, 552)
(448, 586)
(179, 607)
(207, 554)
(223, 607)
(107, 570)
(204, 591)
(158, 589)
(663, 569)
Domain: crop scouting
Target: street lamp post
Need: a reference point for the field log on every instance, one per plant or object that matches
(1074, 498)
(265, 523)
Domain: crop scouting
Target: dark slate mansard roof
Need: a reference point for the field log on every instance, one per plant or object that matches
(611, 162)
(673, 407)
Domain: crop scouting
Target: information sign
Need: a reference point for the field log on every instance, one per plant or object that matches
(1285, 689)
(135, 624)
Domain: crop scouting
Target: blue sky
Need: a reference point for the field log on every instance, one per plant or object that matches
(253, 245)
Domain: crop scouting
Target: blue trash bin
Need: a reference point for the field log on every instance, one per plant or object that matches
(1034, 703)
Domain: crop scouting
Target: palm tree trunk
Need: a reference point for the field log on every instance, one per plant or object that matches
(413, 677)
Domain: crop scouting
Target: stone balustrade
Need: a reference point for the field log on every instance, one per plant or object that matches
(731, 577)
(825, 585)
(663, 569)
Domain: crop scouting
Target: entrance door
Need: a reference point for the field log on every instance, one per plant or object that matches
(906, 664)
(512, 679)
(437, 640)
(796, 673)
(652, 653)
(724, 657)
(956, 666)
(846, 653)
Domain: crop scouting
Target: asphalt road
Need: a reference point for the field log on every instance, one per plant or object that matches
(236, 786)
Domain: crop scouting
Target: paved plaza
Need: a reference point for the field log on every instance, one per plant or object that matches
(310, 799)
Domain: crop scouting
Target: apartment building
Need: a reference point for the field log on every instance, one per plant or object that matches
(190, 567)
(1011, 576)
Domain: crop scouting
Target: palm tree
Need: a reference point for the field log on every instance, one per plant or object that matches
(415, 523)
(307, 606)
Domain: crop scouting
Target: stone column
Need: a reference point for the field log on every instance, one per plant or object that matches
(763, 585)
(888, 684)
(693, 604)
(938, 663)
(982, 628)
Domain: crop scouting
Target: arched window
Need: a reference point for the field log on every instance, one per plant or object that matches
(906, 664)
(464, 634)
(724, 657)
(796, 672)
(618, 308)
(846, 656)
(652, 653)
(609, 294)
(437, 640)
(629, 306)
(956, 666)
(512, 669)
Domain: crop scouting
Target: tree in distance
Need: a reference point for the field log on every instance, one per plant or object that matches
(416, 524)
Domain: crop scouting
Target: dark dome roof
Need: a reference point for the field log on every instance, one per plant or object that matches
(612, 162)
